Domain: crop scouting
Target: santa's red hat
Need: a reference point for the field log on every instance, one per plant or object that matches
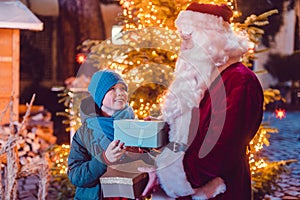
(218, 10)
(199, 16)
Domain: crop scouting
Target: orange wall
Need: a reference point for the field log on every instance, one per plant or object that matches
(9, 71)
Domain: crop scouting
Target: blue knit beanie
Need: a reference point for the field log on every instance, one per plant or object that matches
(101, 82)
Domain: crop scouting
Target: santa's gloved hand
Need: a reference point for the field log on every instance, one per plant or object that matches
(210, 190)
(153, 180)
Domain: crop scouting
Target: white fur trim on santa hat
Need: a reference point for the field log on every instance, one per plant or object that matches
(189, 21)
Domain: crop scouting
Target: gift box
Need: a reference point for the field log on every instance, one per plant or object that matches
(140, 133)
(120, 183)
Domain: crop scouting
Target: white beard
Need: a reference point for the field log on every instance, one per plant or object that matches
(192, 78)
(194, 74)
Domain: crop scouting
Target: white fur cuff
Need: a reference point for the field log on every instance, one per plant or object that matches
(171, 174)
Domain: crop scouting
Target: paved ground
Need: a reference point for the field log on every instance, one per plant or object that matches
(285, 145)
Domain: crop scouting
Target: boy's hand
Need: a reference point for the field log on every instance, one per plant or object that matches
(114, 151)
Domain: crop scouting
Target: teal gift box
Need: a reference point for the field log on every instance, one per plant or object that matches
(140, 133)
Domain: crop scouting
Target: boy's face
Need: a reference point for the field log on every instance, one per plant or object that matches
(115, 99)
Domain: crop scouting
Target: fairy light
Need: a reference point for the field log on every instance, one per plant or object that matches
(251, 48)
(59, 158)
(160, 13)
(280, 113)
(80, 58)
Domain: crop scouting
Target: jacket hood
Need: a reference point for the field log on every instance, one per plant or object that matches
(88, 108)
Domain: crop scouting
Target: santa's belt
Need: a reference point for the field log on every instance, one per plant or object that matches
(176, 146)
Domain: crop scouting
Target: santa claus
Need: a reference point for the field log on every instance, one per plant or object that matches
(214, 108)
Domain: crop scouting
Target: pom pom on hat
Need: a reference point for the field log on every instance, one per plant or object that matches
(218, 10)
(101, 82)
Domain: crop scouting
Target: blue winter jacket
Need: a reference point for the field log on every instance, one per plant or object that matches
(85, 162)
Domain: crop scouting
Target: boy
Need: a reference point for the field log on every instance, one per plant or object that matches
(92, 147)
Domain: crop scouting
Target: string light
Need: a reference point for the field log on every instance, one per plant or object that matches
(280, 113)
(140, 14)
(80, 58)
(59, 158)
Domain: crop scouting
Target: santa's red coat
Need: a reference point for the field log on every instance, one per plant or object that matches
(243, 112)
